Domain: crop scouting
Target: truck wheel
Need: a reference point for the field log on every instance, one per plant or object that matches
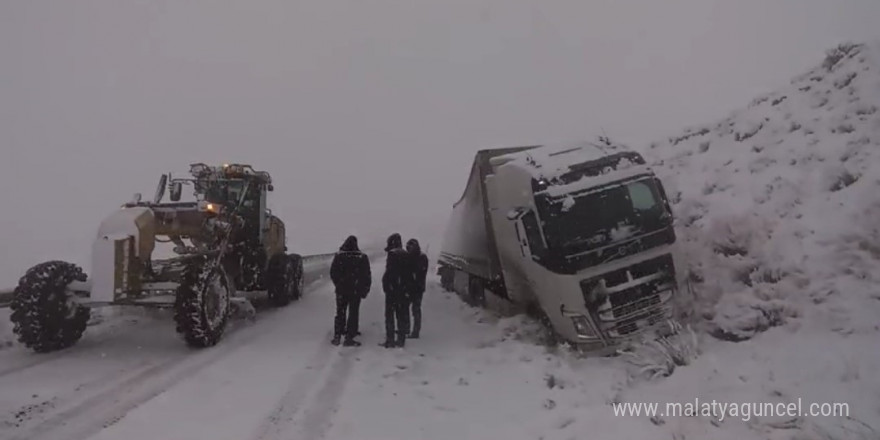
(201, 308)
(446, 277)
(550, 337)
(476, 292)
(44, 317)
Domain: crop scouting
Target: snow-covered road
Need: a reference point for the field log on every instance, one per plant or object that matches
(125, 371)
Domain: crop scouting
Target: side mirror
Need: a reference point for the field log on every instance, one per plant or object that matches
(515, 213)
(160, 190)
(270, 187)
(176, 190)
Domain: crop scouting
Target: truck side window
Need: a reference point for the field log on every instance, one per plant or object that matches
(533, 234)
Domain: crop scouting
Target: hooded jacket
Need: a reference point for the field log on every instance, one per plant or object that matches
(419, 266)
(350, 269)
(397, 274)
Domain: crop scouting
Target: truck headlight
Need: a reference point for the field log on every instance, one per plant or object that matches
(581, 325)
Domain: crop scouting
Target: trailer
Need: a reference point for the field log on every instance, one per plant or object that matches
(580, 233)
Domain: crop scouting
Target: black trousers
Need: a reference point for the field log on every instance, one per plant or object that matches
(415, 305)
(347, 315)
(396, 317)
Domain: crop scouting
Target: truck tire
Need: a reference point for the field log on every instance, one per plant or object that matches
(202, 303)
(550, 337)
(446, 278)
(476, 292)
(43, 317)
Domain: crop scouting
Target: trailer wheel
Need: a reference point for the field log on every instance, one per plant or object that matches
(476, 292)
(44, 317)
(202, 304)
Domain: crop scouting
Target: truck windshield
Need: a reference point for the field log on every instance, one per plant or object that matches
(583, 222)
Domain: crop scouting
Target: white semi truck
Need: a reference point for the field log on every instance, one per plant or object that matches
(581, 233)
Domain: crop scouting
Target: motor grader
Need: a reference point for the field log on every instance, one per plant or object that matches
(223, 244)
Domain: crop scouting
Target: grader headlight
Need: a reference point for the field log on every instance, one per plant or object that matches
(212, 208)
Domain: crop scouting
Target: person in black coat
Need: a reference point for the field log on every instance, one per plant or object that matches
(394, 283)
(350, 273)
(416, 287)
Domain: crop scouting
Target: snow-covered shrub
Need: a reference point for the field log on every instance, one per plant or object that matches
(835, 55)
(738, 234)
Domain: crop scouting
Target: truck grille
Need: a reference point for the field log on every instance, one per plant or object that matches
(631, 326)
(624, 311)
(621, 309)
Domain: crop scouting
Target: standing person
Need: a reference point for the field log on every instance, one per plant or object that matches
(394, 283)
(416, 288)
(350, 273)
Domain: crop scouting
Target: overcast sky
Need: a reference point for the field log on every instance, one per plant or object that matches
(367, 113)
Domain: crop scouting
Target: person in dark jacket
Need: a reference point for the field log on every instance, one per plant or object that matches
(394, 283)
(416, 288)
(350, 273)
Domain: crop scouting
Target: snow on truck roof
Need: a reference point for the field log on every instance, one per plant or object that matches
(566, 167)
(553, 159)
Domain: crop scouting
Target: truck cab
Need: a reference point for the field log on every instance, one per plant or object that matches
(582, 232)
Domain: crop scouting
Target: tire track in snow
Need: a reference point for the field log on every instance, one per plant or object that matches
(300, 385)
(86, 346)
(101, 410)
(317, 418)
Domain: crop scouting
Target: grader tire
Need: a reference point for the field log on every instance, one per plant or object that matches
(202, 303)
(44, 317)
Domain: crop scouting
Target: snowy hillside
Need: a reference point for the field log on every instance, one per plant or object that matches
(778, 210)
(779, 202)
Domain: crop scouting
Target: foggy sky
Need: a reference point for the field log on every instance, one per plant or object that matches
(367, 113)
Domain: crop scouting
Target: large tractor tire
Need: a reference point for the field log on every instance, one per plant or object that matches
(279, 280)
(299, 276)
(285, 278)
(44, 315)
(202, 304)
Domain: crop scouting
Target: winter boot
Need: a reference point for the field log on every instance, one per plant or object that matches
(414, 334)
(389, 343)
(349, 342)
(336, 340)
